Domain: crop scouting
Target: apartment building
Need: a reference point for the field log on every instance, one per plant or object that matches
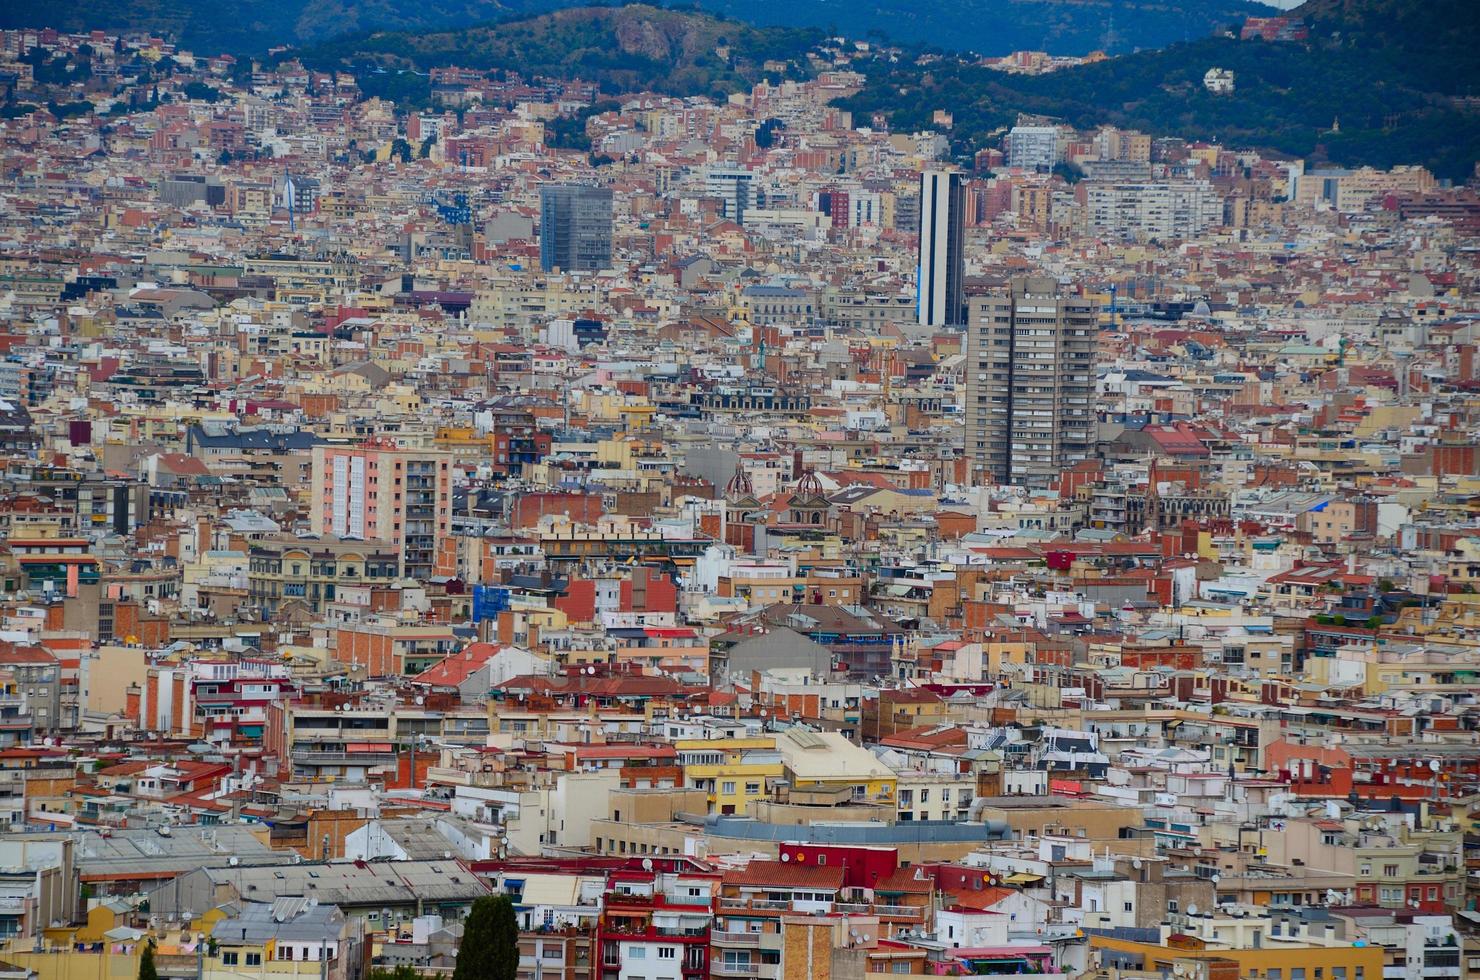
(575, 228)
(1029, 383)
(284, 570)
(377, 491)
(1153, 210)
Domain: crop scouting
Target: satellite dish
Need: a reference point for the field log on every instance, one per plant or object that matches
(1136, 863)
(785, 857)
(1216, 878)
(1192, 909)
(647, 864)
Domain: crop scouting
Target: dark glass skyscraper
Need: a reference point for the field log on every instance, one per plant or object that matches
(575, 228)
(942, 299)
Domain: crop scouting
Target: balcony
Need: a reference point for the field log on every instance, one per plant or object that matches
(913, 912)
(758, 904)
(767, 941)
(332, 757)
(723, 969)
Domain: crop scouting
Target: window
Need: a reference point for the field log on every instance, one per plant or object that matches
(901, 967)
(1390, 871)
(637, 953)
(667, 953)
(255, 959)
(727, 788)
(229, 959)
(1129, 907)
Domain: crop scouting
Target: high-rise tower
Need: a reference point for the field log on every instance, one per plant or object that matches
(1030, 383)
(940, 292)
(575, 228)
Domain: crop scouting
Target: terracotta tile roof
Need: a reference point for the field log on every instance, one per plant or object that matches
(784, 874)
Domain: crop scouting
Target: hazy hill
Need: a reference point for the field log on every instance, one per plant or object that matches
(251, 26)
(1370, 71)
(623, 49)
(987, 26)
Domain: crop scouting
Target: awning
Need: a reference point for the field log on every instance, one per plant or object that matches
(1023, 878)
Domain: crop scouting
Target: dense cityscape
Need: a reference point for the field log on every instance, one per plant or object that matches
(486, 524)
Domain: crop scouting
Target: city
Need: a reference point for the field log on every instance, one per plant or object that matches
(668, 518)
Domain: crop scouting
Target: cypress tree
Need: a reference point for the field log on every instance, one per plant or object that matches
(490, 941)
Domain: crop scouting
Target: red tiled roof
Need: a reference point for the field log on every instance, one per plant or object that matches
(452, 671)
(785, 874)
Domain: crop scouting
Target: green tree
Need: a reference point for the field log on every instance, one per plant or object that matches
(490, 941)
(403, 972)
(146, 964)
(201, 92)
(1070, 172)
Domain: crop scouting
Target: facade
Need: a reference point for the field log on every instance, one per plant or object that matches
(1029, 384)
(1033, 147)
(378, 491)
(575, 228)
(940, 284)
(284, 570)
(735, 188)
(1153, 210)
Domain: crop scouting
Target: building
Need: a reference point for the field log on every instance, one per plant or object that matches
(1029, 383)
(379, 492)
(1033, 147)
(283, 569)
(942, 249)
(1179, 209)
(288, 937)
(735, 189)
(733, 771)
(1219, 81)
(575, 228)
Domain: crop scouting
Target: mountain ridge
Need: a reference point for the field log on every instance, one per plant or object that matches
(992, 27)
(628, 48)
